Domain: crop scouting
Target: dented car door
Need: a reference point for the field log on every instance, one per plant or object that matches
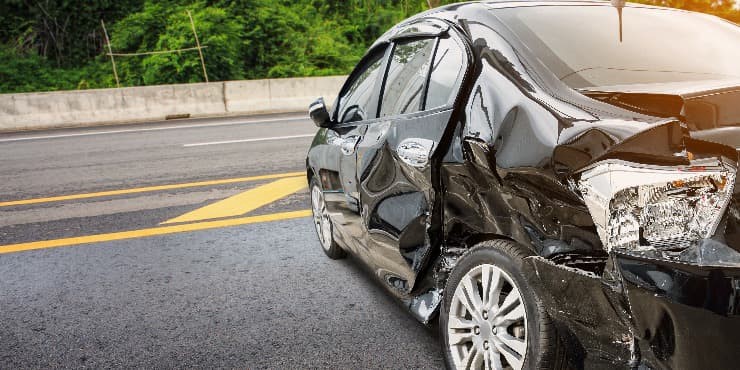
(396, 156)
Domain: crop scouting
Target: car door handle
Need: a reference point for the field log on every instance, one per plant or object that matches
(415, 151)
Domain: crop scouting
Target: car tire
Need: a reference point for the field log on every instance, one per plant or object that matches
(322, 223)
(496, 336)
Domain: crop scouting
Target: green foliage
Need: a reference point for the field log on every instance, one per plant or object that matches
(59, 44)
(285, 39)
(31, 72)
(64, 31)
(53, 45)
(160, 27)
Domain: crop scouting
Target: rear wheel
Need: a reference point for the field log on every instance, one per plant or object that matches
(322, 222)
(491, 317)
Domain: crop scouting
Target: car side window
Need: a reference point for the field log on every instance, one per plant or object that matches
(407, 75)
(355, 103)
(447, 73)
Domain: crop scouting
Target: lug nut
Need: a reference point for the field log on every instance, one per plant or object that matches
(476, 330)
(485, 315)
(485, 345)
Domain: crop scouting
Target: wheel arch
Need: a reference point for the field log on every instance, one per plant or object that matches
(477, 238)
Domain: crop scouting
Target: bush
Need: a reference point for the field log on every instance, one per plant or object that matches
(159, 27)
(29, 72)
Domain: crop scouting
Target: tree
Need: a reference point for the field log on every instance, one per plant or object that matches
(162, 27)
(65, 31)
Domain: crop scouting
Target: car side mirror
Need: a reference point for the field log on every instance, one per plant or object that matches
(319, 114)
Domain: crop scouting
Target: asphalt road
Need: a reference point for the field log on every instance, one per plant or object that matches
(144, 266)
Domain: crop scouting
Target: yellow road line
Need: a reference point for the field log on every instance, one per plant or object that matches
(163, 230)
(242, 203)
(147, 189)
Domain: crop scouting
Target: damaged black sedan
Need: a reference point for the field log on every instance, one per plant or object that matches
(554, 181)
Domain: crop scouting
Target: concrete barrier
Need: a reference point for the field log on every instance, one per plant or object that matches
(279, 95)
(152, 103)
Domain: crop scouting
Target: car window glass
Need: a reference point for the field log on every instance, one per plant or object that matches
(407, 75)
(447, 71)
(655, 46)
(355, 103)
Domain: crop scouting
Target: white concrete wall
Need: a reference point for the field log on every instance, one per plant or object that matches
(280, 95)
(152, 103)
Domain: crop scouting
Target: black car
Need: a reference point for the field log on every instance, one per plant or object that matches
(554, 181)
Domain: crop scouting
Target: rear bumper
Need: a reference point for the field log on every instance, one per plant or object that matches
(683, 316)
(654, 312)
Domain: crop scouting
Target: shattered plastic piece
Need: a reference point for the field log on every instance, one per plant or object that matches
(424, 306)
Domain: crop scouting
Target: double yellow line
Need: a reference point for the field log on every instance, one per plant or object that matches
(209, 217)
(163, 230)
(147, 189)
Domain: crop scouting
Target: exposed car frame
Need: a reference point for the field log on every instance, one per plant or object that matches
(518, 167)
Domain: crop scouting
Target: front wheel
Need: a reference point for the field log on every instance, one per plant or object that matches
(322, 222)
(491, 317)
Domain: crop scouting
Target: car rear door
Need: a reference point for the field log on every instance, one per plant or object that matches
(397, 154)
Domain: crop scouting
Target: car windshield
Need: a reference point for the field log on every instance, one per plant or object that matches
(581, 44)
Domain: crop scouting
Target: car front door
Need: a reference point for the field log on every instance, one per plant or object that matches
(396, 156)
(355, 108)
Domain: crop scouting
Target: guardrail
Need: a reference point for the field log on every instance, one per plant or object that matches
(152, 103)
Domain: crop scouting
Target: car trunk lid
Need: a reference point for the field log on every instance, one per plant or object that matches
(703, 105)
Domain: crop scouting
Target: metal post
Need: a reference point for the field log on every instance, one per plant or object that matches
(197, 43)
(110, 52)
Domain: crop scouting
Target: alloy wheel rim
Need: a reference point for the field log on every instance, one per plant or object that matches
(321, 217)
(487, 321)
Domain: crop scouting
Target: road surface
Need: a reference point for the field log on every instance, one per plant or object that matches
(182, 244)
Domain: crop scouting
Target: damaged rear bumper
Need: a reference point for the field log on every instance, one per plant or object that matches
(644, 311)
(683, 316)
